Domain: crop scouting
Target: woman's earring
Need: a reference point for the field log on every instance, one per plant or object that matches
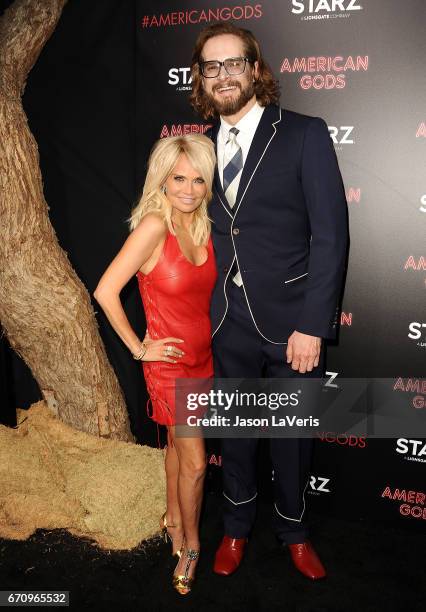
(163, 189)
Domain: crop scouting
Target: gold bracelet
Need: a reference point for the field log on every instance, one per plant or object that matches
(139, 356)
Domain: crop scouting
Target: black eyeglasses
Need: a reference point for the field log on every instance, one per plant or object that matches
(232, 65)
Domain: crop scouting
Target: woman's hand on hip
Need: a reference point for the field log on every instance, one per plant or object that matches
(162, 349)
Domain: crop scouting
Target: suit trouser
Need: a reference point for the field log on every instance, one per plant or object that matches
(240, 351)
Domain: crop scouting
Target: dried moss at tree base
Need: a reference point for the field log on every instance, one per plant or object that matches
(54, 476)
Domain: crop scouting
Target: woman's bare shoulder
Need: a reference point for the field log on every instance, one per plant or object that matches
(152, 223)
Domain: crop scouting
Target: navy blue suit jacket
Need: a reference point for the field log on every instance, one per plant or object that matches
(287, 230)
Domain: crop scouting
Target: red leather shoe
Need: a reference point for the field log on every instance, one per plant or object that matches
(307, 561)
(228, 555)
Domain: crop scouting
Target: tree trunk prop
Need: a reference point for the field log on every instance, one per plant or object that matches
(44, 308)
(51, 474)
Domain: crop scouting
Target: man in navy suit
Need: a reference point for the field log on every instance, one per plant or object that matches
(280, 237)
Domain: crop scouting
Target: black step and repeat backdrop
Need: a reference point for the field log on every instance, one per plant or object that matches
(359, 65)
(115, 76)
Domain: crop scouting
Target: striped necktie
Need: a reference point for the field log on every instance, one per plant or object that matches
(233, 164)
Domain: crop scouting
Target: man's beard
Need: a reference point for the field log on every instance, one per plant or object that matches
(231, 106)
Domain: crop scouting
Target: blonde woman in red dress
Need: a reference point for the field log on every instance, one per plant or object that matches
(170, 251)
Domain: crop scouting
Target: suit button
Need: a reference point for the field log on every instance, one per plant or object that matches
(225, 270)
(235, 231)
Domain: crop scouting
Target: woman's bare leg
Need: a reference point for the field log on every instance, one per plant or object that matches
(192, 466)
(173, 513)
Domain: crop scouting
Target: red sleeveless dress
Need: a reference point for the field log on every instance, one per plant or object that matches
(176, 298)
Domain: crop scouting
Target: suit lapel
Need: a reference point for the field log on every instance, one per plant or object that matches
(217, 184)
(264, 133)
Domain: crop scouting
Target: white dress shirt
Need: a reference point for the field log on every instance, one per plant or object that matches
(247, 127)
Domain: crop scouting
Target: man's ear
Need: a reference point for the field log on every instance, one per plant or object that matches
(256, 71)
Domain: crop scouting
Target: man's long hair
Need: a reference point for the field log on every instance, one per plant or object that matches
(266, 86)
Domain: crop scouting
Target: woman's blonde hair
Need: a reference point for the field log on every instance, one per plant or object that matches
(163, 158)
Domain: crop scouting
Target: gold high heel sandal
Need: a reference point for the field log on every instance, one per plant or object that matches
(166, 535)
(183, 583)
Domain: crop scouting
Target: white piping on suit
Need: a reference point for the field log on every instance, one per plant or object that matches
(303, 511)
(233, 244)
(239, 503)
(226, 297)
(296, 278)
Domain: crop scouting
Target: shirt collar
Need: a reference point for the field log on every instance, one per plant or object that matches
(246, 124)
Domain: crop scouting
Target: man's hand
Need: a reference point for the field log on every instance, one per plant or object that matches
(303, 352)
